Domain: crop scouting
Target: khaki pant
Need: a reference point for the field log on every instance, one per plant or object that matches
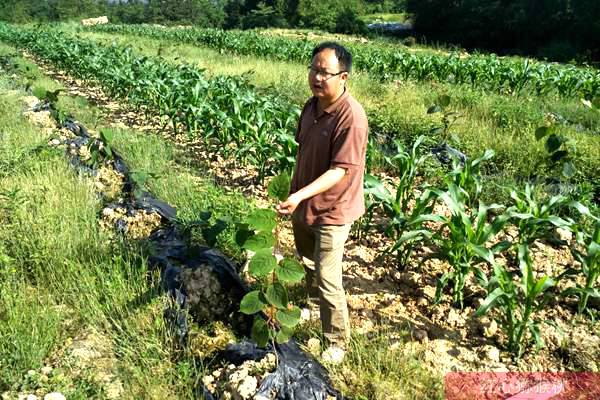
(322, 248)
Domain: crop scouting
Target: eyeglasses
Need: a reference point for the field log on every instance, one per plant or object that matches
(323, 74)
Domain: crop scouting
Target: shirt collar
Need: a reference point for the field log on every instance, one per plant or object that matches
(334, 107)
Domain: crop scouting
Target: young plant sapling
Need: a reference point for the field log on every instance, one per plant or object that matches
(275, 316)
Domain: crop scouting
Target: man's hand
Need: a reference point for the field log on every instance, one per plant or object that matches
(319, 185)
(287, 207)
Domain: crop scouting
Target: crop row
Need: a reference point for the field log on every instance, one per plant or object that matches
(258, 129)
(227, 112)
(487, 71)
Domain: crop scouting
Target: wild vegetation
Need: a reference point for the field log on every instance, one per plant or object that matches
(387, 62)
(486, 246)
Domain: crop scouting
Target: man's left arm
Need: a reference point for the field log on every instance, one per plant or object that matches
(329, 179)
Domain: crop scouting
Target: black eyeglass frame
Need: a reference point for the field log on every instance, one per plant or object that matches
(311, 69)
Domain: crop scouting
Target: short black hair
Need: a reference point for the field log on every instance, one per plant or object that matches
(343, 55)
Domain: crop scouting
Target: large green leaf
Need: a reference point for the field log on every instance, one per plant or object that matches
(242, 233)
(277, 295)
(259, 241)
(253, 302)
(289, 270)
(283, 335)
(541, 285)
(541, 132)
(483, 252)
(568, 170)
(553, 143)
(262, 263)
(490, 301)
(444, 100)
(279, 187)
(262, 220)
(260, 332)
(289, 317)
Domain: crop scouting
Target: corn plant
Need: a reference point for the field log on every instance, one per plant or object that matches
(536, 217)
(275, 316)
(227, 112)
(589, 258)
(518, 301)
(466, 175)
(389, 62)
(463, 240)
(405, 210)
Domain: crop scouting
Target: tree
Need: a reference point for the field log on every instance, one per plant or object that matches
(555, 29)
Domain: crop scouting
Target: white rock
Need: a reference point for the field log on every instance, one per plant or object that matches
(31, 397)
(564, 234)
(491, 329)
(491, 353)
(314, 346)
(55, 396)
(305, 314)
(246, 389)
(55, 142)
(46, 370)
(333, 355)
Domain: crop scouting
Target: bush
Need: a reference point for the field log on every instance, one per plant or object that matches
(347, 21)
(263, 17)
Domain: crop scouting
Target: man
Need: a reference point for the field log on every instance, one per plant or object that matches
(326, 193)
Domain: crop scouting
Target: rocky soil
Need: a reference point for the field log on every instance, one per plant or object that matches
(381, 297)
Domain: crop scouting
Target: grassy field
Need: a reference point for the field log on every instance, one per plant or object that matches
(504, 123)
(384, 17)
(67, 285)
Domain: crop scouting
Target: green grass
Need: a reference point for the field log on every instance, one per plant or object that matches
(384, 17)
(55, 257)
(505, 123)
(62, 275)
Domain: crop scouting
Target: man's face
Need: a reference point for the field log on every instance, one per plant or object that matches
(324, 77)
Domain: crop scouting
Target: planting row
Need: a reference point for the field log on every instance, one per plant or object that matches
(387, 62)
(258, 129)
(227, 112)
(474, 238)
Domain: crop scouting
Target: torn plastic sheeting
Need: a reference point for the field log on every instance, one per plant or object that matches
(298, 376)
(445, 153)
(147, 202)
(144, 202)
(201, 281)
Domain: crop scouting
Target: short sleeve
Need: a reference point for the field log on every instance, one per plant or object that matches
(349, 146)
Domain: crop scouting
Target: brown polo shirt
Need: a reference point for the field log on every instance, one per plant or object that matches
(337, 137)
